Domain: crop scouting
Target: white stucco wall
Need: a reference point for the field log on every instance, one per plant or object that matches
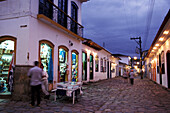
(17, 13)
(165, 47)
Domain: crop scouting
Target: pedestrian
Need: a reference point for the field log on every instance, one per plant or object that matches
(35, 75)
(45, 83)
(132, 77)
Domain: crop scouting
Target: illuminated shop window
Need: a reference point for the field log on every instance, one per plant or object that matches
(74, 67)
(45, 53)
(101, 65)
(96, 63)
(6, 65)
(63, 76)
(47, 60)
(104, 69)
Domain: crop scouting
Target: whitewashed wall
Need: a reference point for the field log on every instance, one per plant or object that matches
(17, 13)
(165, 47)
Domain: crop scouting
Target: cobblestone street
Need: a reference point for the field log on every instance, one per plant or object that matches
(115, 95)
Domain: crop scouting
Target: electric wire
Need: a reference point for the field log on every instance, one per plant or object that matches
(148, 22)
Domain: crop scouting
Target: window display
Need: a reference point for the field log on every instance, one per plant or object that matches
(63, 76)
(45, 52)
(6, 55)
(96, 63)
(74, 67)
(101, 65)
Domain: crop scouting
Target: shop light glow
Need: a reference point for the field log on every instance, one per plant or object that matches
(165, 32)
(154, 48)
(88, 51)
(135, 58)
(157, 45)
(129, 57)
(161, 39)
(95, 54)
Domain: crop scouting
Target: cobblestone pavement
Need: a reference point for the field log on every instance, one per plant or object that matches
(107, 96)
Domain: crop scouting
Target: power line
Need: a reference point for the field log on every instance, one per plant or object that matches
(148, 22)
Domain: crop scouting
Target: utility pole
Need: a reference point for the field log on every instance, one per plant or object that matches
(140, 47)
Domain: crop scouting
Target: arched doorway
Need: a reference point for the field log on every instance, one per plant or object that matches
(74, 66)
(7, 62)
(63, 63)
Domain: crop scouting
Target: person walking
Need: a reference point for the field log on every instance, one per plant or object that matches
(132, 77)
(35, 75)
(45, 83)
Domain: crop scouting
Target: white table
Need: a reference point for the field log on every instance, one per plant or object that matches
(69, 87)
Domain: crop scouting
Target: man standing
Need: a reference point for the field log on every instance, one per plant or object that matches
(35, 74)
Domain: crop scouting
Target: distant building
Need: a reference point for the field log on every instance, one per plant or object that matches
(124, 63)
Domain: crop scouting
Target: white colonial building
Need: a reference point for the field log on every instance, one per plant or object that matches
(157, 62)
(48, 31)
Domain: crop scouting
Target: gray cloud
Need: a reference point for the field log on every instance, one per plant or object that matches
(116, 21)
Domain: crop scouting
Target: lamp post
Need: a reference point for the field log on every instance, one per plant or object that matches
(140, 48)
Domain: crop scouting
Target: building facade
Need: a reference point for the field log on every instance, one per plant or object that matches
(48, 31)
(157, 62)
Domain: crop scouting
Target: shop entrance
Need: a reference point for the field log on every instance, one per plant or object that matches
(108, 70)
(84, 66)
(7, 59)
(91, 67)
(160, 69)
(168, 68)
(74, 66)
(63, 64)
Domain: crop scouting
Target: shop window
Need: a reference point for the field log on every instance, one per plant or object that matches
(63, 65)
(113, 67)
(101, 65)
(104, 68)
(46, 58)
(7, 59)
(74, 66)
(84, 66)
(96, 64)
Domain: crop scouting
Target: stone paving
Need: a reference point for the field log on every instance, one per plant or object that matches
(115, 95)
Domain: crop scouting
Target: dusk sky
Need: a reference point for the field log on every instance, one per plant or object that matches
(114, 22)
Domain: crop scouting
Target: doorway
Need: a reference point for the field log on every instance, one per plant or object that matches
(160, 70)
(108, 70)
(168, 68)
(84, 66)
(91, 67)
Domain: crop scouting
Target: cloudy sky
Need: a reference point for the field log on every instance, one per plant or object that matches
(114, 22)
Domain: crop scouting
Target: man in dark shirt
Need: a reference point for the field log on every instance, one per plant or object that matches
(35, 75)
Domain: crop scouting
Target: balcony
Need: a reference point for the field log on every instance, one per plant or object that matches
(50, 10)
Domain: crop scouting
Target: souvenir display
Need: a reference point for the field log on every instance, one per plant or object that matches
(6, 52)
(63, 65)
(74, 67)
(45, 52)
